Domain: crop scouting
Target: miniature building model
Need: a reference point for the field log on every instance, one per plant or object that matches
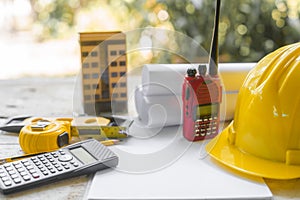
(104, 67)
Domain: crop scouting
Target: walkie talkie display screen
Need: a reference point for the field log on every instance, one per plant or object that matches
(206, 111)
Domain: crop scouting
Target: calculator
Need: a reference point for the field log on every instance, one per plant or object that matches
(74, 160)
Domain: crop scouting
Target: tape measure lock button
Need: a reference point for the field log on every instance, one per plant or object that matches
(63, 139)
(40, 125)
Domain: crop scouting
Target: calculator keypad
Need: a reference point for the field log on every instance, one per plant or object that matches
(37, 167)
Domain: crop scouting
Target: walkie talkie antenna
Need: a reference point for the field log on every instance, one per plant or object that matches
(214, 51)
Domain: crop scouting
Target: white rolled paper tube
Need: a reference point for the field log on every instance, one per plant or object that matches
(166, 110)
(166, 79)
(158, 111)
(163, 79)
(162, 85)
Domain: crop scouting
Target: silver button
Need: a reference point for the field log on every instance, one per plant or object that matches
(65, 158)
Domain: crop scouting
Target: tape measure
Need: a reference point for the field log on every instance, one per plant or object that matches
(48, 134)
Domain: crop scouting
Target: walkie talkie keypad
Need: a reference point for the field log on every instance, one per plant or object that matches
(206, 126)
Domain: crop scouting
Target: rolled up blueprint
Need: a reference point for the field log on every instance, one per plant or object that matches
(158, 111)
(158, 100)
(167, 79)
(166, 110)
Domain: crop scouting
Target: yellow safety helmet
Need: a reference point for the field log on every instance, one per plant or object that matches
(264, 137)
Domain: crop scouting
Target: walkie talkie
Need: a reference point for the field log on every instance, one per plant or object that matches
(202, 94)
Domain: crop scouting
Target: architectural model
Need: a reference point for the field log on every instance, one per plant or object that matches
(104, 67)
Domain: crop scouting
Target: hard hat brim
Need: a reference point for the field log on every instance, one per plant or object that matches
(221, 150)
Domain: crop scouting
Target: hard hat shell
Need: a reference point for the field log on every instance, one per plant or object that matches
(264, 137)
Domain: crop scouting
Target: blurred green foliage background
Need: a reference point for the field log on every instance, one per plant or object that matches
(249, 29)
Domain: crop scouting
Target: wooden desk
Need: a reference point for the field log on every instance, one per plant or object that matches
(54, 96)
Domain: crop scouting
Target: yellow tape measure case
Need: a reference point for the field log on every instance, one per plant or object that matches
(43, 135)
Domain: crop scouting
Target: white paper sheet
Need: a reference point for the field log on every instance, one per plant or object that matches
(166, 166)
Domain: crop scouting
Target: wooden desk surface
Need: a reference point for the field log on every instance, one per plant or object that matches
(54, 96)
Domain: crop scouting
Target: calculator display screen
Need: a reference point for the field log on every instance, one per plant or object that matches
(83, 155)
(209, 110)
